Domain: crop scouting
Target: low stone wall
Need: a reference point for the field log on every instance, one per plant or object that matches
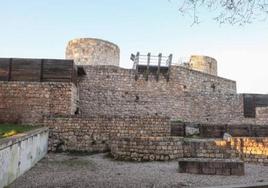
(28, 102)
(218, 130)
(235, 130)
(249, 149)
(93, 134)
(208, 148)
(19, 153)
(147, 148)
(168, 148)
(225, 167)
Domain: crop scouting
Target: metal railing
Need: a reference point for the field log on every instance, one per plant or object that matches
(151, 61)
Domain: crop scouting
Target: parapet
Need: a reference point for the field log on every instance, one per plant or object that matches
(91, 51)
(204, 64)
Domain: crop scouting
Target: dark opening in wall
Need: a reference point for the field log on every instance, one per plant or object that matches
(137, 98)
(77, 111)
(213, 87)
(184, 87)
(252, 101)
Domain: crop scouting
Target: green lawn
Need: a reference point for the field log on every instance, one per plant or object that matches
(8, 129)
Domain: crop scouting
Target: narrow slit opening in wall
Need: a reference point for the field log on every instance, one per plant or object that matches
(213, 87)
(77, 111)
(137, 98)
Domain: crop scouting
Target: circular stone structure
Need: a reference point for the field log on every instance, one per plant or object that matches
(91, 51)
(204, 64)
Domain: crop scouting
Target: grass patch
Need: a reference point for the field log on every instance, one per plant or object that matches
(7, 130)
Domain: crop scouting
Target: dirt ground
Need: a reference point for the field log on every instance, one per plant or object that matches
(99, 170)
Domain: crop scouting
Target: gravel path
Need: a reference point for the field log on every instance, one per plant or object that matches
(63, 170)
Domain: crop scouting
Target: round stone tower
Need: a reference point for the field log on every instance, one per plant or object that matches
(91, 51)
(204, 64)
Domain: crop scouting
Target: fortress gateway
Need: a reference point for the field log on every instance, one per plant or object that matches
(143, 113)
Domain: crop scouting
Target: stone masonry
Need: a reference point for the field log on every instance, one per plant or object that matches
(225, 167)
(204, 64)
(101, 107)
(90, 51)
(249, 149)
(94, 134)
(188, 96)
(28, 102)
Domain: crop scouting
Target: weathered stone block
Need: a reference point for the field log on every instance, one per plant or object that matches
(211, 166)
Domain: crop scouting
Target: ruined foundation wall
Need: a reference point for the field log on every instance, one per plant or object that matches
(94, 134)
(147, 148)
(249, 149)
(28, 102)
(169, 148)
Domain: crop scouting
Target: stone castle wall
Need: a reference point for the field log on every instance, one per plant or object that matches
(90, 51)
(189, 95)
(94, 134)
(28, 102)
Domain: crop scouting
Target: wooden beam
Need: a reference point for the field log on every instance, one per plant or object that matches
(10, 69)
(136, 63)
(169, 66)
(4, 69)
(41, 70)
(158, 67)
(148, 65)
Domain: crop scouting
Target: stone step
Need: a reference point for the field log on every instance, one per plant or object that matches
(209, 166)
(255, 185)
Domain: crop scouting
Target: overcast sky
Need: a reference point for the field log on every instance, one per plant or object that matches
(41, 29)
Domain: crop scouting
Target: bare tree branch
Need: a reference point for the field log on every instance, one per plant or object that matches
(234, 12)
